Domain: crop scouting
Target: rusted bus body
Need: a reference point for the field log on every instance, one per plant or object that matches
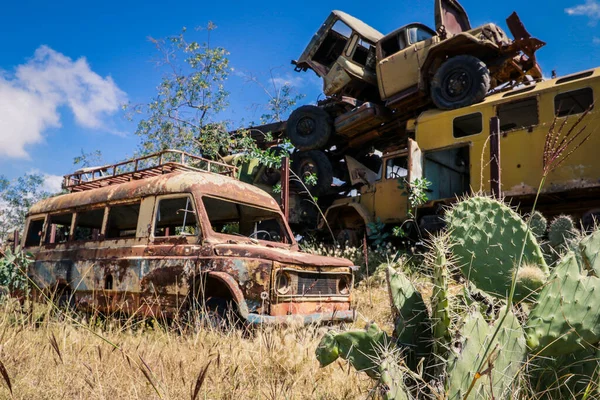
(157, 265)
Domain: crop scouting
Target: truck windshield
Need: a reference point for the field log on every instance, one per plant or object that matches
(239, 219)
(333, 45)
(418, 34)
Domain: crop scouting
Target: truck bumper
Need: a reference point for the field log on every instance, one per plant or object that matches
(316, 318)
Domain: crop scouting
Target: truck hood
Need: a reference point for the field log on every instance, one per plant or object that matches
(451, 17)
(279, 255)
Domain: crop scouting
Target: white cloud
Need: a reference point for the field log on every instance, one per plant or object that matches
(590, 9)
(30, 98)
(596, 40)
(52, 183)
(293, 81)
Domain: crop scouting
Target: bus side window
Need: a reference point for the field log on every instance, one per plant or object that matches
(34, 232)
(59, 228)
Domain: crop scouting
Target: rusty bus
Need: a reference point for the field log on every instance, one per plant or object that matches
(154, 235)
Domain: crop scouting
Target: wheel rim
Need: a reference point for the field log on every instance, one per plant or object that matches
(306, 126)
(457, 85)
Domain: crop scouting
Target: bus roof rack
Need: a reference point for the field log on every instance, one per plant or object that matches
(154, 164)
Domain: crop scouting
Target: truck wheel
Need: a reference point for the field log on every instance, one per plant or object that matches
(307, 163)
(460, 82)
(309, 128)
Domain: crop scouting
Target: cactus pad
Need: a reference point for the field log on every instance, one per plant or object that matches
(360, 347)
(507, 352)
(410, 314)
(538, 224)
(487, 239)
(562, 229)
(565, 318)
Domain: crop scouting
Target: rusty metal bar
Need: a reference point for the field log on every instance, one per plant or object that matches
(285, 187)
(16, 240)
(495, 171)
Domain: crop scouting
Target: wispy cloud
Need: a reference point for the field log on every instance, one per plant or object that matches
(596, 40)
(31, 97)
(590, 9)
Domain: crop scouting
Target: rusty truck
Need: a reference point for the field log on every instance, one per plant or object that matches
(374, 83)
(452, 149)
(172, 232)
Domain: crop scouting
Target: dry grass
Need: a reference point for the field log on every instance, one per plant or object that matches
(55, 359)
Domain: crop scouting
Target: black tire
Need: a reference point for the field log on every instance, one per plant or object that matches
(460, 82)
(309, 128)
(305, 163)
(271, 175)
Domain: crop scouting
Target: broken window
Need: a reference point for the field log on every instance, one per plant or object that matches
(467, 125)
(59, 228)
(573, 102)
(34, 232)
(397, 168)
(364, 54)
(518, 114)
(418, 34)
(333, 45)
(122, 221)
(240, 219)
(88, 224)
(393, 44)
(176, 217)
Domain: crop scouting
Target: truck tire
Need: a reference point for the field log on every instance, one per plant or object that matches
(309, 128)
(305, 163)
(460, 82)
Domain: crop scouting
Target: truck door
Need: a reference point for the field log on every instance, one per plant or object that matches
(391, 206)
(403, 52)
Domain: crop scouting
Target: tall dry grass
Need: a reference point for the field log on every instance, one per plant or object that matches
(52, 357)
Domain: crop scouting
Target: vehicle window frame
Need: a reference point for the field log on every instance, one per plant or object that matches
(48, 230)
(466, 115)
(381, 55)
(388, 160)
(127, 202)
(42, 218)
(289, 239)
(171, 196)
(515, 101)
(555, 111)
(76, 220)
(418, 28)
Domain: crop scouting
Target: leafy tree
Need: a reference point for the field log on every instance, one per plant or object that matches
(16, 197)
(184, 113)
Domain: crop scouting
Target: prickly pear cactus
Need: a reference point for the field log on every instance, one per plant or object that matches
(391, 379)
(440, 303)
(411, 319)
(359, 347)
(561, 231)
(487, 238)
(538, 224)
(567, 313)
(506, 355)
(371, 351)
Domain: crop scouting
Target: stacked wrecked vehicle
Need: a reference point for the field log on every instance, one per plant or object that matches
(375, 83)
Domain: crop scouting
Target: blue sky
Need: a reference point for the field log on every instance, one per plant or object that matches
(66, 66)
